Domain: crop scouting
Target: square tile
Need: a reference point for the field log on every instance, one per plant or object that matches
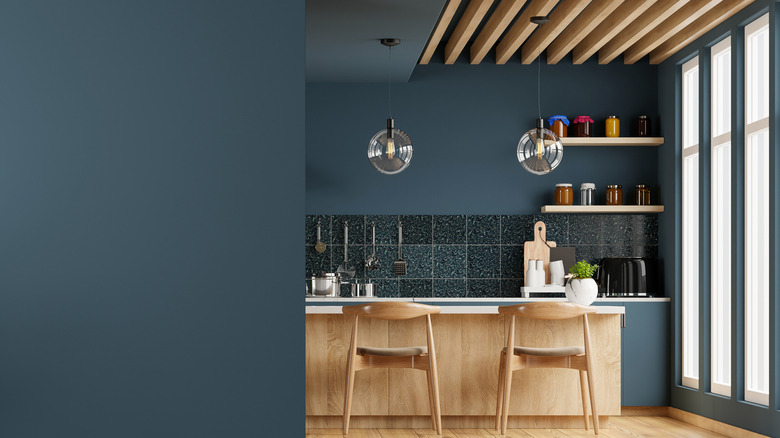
(484, 288)
(419, 261)
(644, 229)
(484, 229)
(415, 288)
(516, 230)
(512, 261)
(386, 229)
(386, 288)
(449, 288)
(317, 262)
(386, 254)
(586, 229)
(449, 229)
(484, 261)
(356, 231)
(449, 261)
(511, 288)
(557, 227)
(311, 229)
(417, 230)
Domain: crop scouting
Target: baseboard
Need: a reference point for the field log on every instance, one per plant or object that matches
(644, 411)
(712, 425)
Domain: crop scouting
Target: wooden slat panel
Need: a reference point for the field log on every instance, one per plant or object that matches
(611, 26)
(701, 26)
(407, 388)
(483, 338)
(594, 14)
(662, 10)
(561, 17)
(466, 27)
(317, 364)
(675, 24)
(502, 17)
(441, 27)
(522, 28)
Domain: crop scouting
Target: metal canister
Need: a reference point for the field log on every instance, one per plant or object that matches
(587, 191)
(642, 193)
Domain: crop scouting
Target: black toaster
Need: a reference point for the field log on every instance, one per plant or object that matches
(628, 277)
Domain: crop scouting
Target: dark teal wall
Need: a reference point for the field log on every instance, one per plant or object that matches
(733, 410)
(464, 122)
(150, 223)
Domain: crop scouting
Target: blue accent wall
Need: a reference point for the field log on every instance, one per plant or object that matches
(732, 410)
(465, 122)
(143, 146)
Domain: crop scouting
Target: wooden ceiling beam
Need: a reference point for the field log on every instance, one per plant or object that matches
(441, 27)
(522, 29)
(617, 21)
(666, 30)
(561, 17)
(698, 28)
(501, 19)
(584, 24)
(475, 12)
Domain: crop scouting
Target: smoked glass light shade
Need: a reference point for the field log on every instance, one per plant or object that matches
(393, 155)
(539, 151)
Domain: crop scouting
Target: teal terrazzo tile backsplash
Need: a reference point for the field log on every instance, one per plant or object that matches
(467, 255)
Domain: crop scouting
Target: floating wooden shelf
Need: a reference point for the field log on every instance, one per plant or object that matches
(602, 208)
(612, 141)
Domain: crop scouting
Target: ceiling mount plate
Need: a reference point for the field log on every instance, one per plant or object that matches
(540, 19)
(390, 42)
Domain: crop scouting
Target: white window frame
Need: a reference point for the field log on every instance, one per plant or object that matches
(690, 225)
(756, 222)
(720, 219)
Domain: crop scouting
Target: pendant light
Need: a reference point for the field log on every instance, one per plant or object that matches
(390, 149)
(539, 150)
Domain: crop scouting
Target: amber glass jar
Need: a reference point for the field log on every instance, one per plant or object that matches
(642, 194)
(614, 194)
(643, 126)
(582, 126)
(613, 126)
(564, 195)
(559, 128)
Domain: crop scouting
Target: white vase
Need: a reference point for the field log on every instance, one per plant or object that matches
(582, 291)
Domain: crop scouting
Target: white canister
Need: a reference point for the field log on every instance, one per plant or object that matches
(556, 272)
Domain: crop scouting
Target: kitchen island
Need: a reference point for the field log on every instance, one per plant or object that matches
(469, 335)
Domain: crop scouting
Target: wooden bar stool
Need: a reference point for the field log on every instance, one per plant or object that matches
(573, 357)
(421, 357)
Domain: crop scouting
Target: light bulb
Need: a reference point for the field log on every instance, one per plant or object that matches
(390, 147)
(539, 144)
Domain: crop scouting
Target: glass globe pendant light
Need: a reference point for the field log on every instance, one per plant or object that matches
(539, 150)
(390, 149)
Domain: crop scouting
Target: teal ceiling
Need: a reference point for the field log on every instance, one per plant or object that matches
(342, 38)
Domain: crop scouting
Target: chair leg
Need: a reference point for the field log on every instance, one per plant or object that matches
(435, 382)
(507, 390)
(348, 393)
(500, 391)
(430, 400)
(584, 394)
(593, 409)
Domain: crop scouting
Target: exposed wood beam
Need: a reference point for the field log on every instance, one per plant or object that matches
(666, 30)
(699, 27)
(466, 27)
(441, 27)
(595, 13)
(564, 14)
(501, 19)
(617, 21)
(522, 28)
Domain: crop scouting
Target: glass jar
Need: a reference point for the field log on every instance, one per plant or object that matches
(614, 194)
(583, 126)
(613, 126)
(642, 193)
(564, 195)
(643, 126)
(559, 125)
(587, 192)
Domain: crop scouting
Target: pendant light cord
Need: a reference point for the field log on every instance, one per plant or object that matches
(389, 64)
(539, 80)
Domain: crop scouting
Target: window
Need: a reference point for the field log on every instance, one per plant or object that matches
(690, 223)
(720, 236)
(757, 211)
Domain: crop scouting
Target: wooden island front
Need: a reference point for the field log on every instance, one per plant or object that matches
(468, 342)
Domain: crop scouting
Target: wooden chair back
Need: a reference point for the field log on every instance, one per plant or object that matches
(550, 310)
(392, 310)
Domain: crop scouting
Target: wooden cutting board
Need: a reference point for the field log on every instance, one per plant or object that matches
(538, 250)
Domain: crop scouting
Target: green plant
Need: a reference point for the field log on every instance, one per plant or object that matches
(583, 269)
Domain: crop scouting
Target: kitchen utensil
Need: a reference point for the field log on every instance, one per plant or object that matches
(367, 290)
(372, 262)
(345, 271)
(325, 285)
(399, 266)
(320, 245)
(538, 249)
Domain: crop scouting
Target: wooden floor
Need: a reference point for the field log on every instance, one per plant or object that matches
(629, 427)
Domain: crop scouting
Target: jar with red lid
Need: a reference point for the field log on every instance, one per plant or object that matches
(583, 126)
